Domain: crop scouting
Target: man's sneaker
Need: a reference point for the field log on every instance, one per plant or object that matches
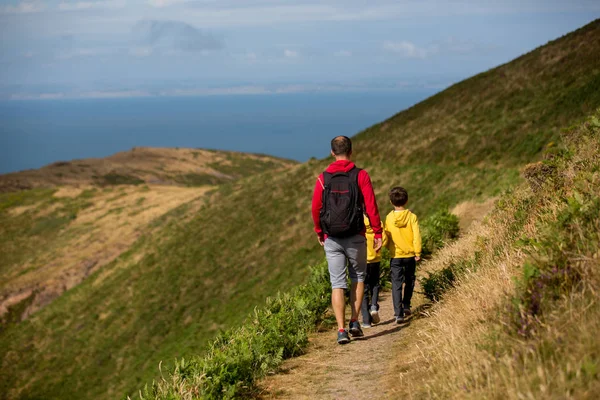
(407, 312)
(375, 315)
(355, 330)
(343, 337)
(400, 319)
(366, 325)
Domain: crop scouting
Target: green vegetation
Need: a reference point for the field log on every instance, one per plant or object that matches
(238, 357)
(192, 179)
(203, 271)
(439, 229)
(118, 179)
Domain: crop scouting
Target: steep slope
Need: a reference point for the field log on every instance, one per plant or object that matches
(175, 288)
(519, 317)
(151, 165)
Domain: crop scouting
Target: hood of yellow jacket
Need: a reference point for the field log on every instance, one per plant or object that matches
(401, 218)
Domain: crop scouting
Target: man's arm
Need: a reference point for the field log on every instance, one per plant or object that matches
(317, 203)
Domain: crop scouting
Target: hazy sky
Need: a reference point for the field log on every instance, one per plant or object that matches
(127, 45)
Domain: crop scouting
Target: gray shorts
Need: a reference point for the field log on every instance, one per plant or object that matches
(342, 252)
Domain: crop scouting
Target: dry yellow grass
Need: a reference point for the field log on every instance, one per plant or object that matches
(469, 348)
(469, 212)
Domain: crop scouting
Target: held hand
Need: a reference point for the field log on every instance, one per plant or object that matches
(377, 244)
(417, 258)
(321, 241)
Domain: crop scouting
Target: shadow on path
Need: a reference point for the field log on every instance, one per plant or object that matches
(418, 313)
(395, 329)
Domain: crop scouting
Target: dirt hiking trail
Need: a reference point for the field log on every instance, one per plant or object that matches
(387, 363)
(366, 368)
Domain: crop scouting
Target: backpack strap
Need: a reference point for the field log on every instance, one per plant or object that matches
(326, 178)
(353, 173)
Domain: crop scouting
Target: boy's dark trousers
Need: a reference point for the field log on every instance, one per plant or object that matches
(403, 272)
(371, 296)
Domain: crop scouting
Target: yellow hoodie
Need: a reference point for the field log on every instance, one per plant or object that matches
(402, 232)
(372, 255)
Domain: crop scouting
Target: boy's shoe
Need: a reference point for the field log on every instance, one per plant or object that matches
(366, 325)
(400, 319)
(407, 312)
(375, 315)
(355, 330)
(343, 337)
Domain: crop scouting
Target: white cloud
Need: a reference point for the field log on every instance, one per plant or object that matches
(22, 7)
(408, 49)
(343, 53)
(164, 3)
(290, 53)
(91, 5)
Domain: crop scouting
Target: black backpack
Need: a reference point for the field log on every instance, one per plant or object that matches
(342, 211)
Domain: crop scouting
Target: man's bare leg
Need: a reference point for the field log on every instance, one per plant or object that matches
(357, 291)
(338, 303)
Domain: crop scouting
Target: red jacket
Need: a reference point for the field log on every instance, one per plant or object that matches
(365, 186)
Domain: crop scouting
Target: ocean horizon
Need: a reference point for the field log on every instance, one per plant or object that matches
(297, 126)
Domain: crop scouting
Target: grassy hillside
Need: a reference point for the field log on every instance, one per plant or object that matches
(150, 165)
(52, 239)
(519, 315)
(197, 273)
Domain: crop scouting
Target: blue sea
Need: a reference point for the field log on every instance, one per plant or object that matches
(297, 126)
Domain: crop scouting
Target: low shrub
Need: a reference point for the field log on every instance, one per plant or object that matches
(437, 230)
(435, 284)
(112, 178)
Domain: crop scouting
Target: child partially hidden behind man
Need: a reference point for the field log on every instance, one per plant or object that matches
(370, 304)
(404, 244)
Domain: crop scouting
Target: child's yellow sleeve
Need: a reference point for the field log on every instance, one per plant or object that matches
(416, 237)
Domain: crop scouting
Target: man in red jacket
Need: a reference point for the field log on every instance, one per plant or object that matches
(346, 249)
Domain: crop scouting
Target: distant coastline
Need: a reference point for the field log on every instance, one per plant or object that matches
(294, 125)
(66, 93)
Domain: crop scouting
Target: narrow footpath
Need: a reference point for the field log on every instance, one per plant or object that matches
(366, 368)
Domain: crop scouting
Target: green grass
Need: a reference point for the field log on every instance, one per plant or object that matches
(197, 274)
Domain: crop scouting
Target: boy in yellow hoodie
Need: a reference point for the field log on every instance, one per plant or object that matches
(370, 304)
(404, 244)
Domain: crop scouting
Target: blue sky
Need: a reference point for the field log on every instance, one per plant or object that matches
(108, 48)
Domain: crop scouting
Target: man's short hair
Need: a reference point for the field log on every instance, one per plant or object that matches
(341, 145)
(398, 196)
